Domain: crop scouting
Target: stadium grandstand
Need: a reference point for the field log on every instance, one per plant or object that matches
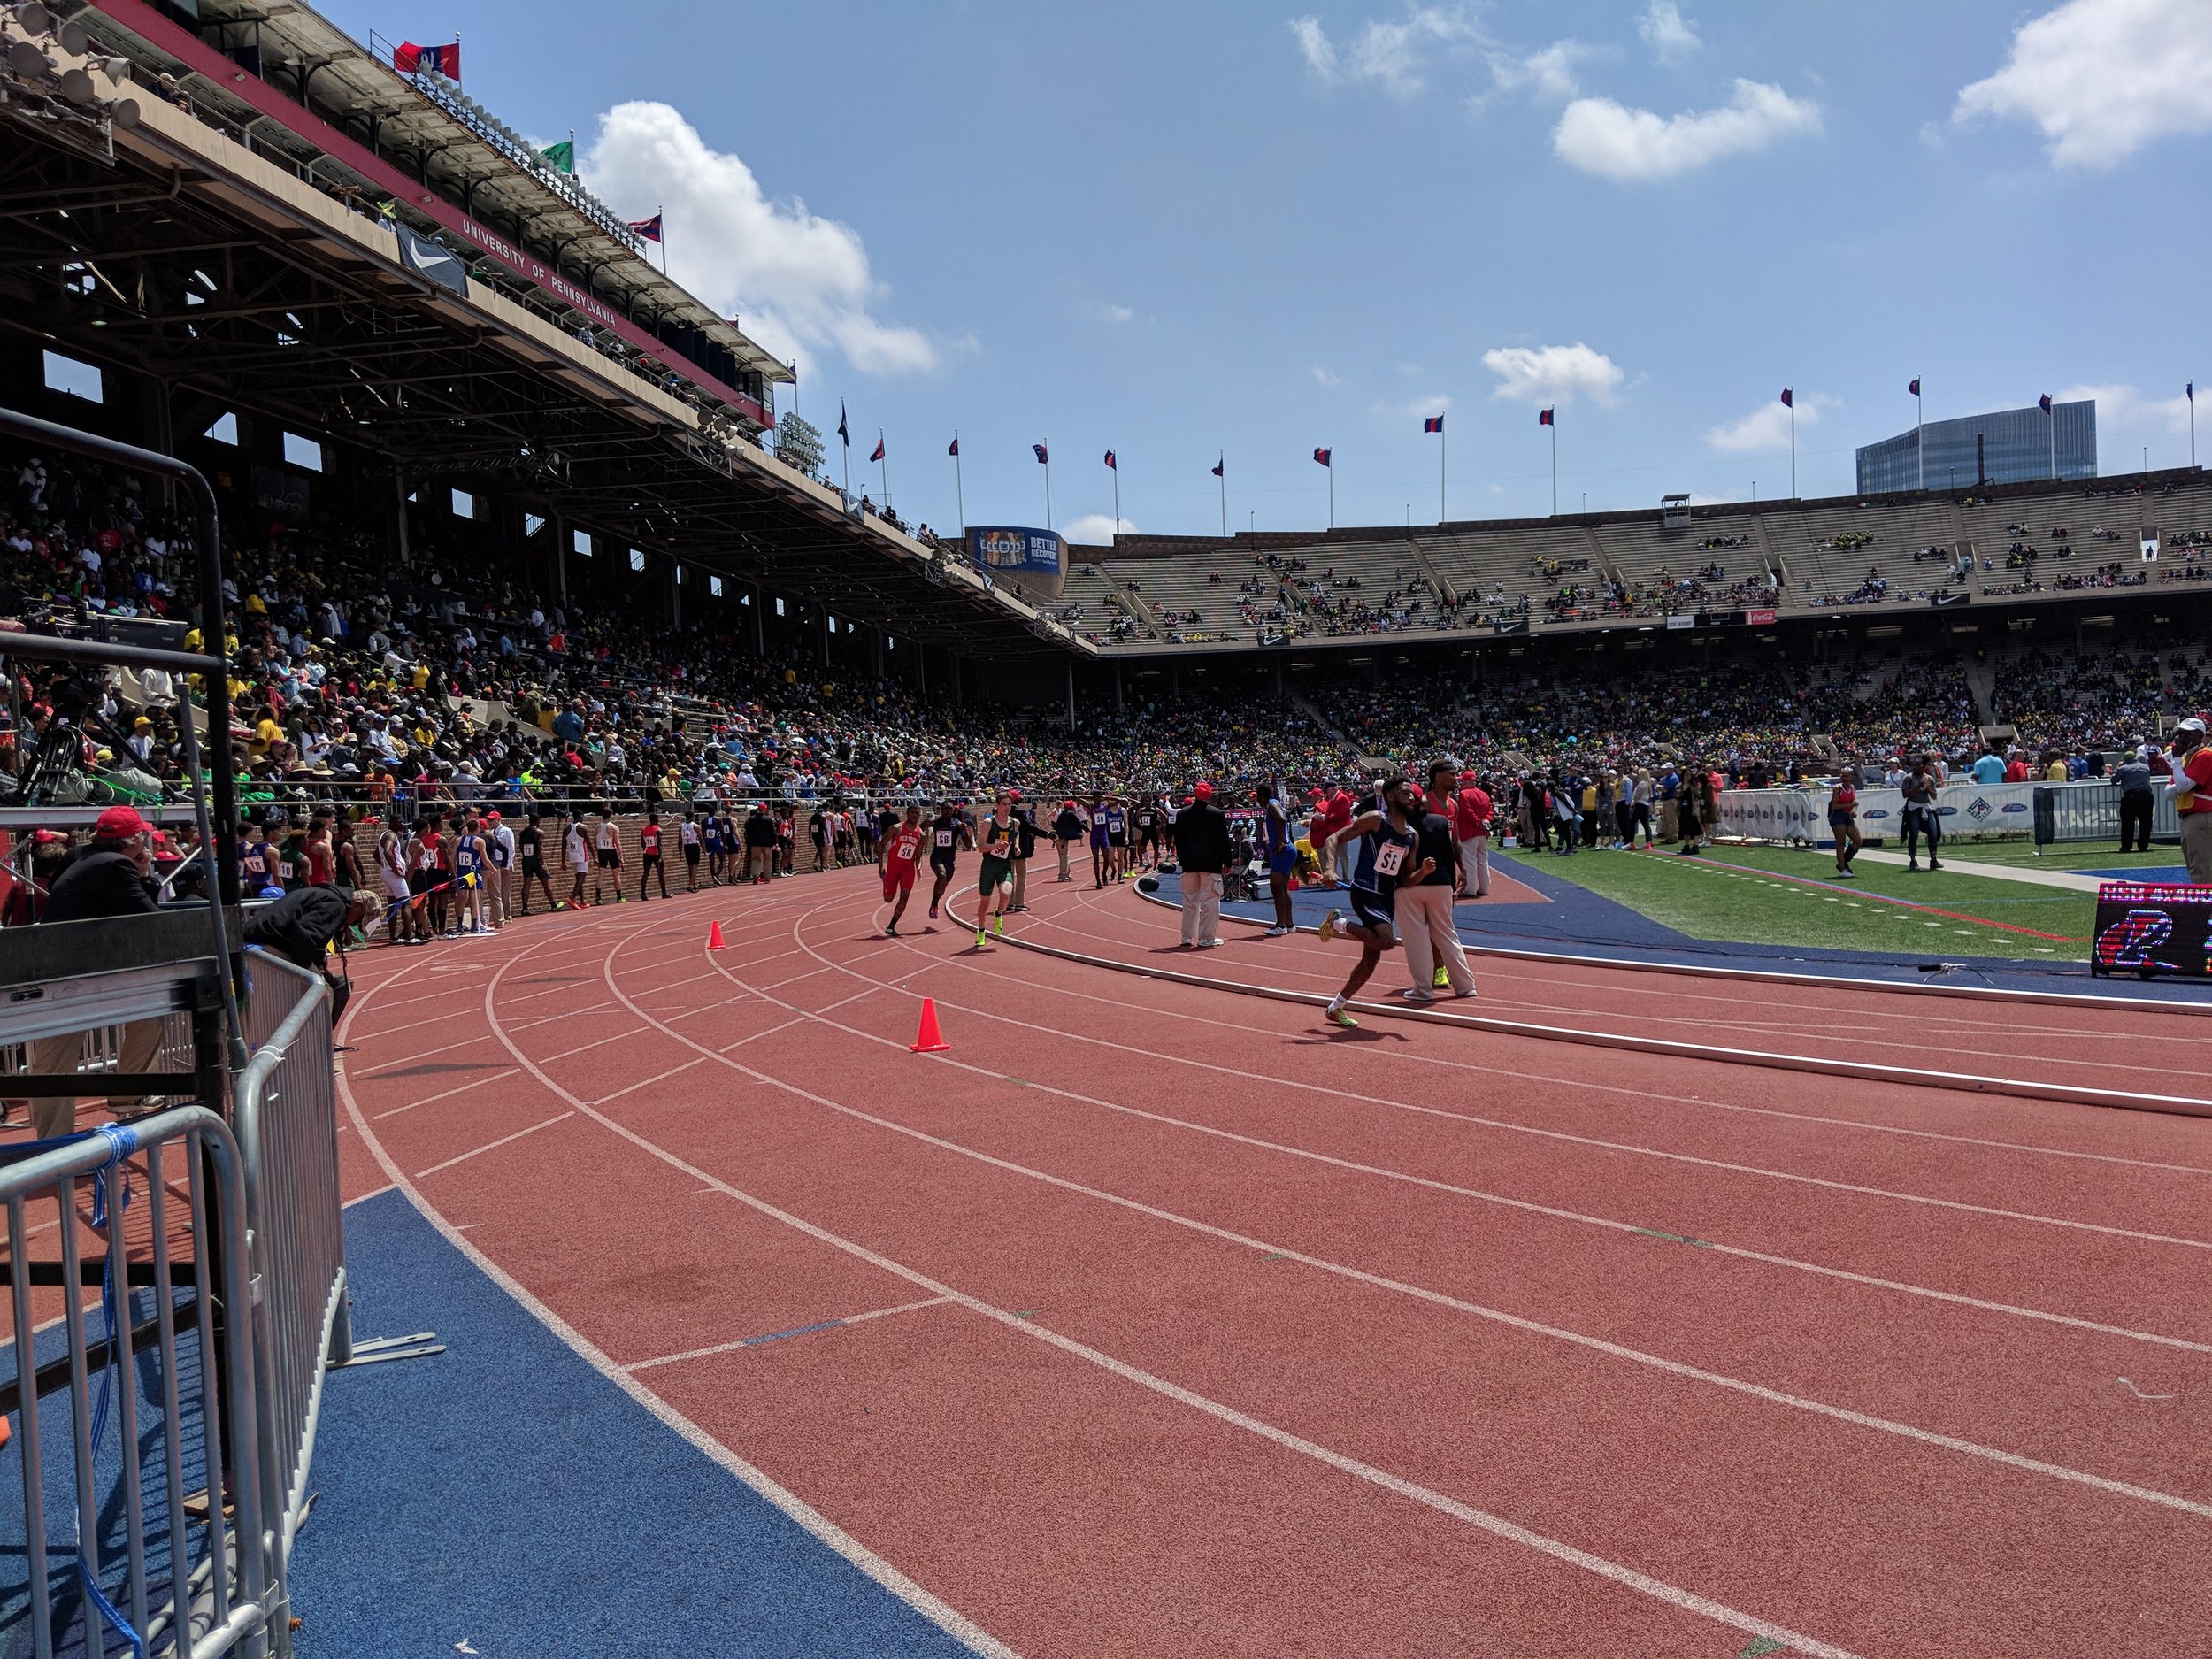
(498, 1156)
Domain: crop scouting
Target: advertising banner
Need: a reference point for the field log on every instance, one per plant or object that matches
(1035, 559)
(2150, 929)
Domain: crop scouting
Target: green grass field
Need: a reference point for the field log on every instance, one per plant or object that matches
(1732, 892)
(2065, 855)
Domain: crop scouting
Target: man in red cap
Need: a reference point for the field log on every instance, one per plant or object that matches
(108, 876)
(1202, 852)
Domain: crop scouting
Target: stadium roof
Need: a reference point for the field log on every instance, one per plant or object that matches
(310, 93)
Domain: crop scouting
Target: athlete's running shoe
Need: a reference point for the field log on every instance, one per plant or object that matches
(998, 924)
(890, 932)
(1329, 925)
(933, 912)
(981, 936)
(1336, 1015)
(1275, 933)
(1441, 979)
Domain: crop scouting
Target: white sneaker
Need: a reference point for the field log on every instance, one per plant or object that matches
(1417, 993)
(1275, 933)
(1209, 944)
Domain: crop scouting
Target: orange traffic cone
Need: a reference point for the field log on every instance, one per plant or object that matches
(929, 1040)
(714, 935)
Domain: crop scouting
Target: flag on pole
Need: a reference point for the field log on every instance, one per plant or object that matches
(1322, 455)
(844, 436)
(409, 59)
(562, 156)
(1914, 389)
(1433, 423)
(1218, 464)
(878, 455)
(649, 228)
(1042, 458)
(1789, 398)
(2044, 402)
(953, 447)
(1543, 418)
(1109, 460)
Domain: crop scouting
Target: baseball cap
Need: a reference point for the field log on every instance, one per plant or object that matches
(119, 823)
(2194, 723)
(1203, 791)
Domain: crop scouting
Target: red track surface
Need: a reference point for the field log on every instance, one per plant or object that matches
(1242, 1335)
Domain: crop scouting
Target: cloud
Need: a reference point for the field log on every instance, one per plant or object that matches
(2124, 409)
(802, 282)
(1672, 39)
(1553, 374)
(1614, 141)
(1105, 311)
(1095, 529)
(1393, 54)
(1548, 73)
(1766, 429)
(1418, 408)
(2102, 78)
(1323, 376)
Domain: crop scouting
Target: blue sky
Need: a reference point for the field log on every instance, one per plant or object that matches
(1175, 230)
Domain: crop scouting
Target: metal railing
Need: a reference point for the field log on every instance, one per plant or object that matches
(287, 1123)
(156, 1539)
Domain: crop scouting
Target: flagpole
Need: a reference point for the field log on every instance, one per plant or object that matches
(660, 214)
(2193, 426)
(1792, 449)
(2050, 429)
(1920, 432)
(883, 460)
(1554, 465)
(845, 441)
(959, 490)
(1221, 472)
(1441, 514)
(1047, 483)
(1115, 471)
(1331, 470)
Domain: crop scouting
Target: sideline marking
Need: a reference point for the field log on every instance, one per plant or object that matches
(818, 1525)
(433, 1098)
(494, 1145)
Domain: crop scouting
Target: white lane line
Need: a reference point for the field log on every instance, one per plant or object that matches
(461, 1088)
(760, 1341)
(1517, 1128)
(648, 1082)
(374, 1192)
(878, 1571)
(1643, 1583)
(673, 985)
(414, 1054)
(635, 1030)
(573, 1013)
(493, 1146)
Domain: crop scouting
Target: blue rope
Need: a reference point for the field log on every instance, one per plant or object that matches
(122, 1141)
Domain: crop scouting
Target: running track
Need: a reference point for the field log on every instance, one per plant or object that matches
(1177, 1323)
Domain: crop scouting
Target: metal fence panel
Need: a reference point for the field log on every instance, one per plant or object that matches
(122, 1245)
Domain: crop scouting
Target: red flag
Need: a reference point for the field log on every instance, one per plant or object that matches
(1321, 456)
(955, 448)
(2044, 402)
(1042, 458)
(410, 59)
(1110, 461)
(1788, 400)
(1915, 388)
(1219, 464)
(1543, 418)
(1434, 423)
(878, 455)
(649, 228)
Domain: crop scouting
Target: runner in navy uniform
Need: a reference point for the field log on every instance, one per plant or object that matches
(1101, 857)
(711, 834)
(948, 835)
(468, 877)
(1385, 846)
(1117, 840)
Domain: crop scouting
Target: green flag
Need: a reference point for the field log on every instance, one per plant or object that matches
(562, 155)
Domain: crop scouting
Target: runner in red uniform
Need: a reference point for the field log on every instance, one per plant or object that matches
(902, 852)
(648, 863)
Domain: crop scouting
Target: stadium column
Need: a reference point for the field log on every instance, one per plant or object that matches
(399, 513)
(676, 595)
(559, 527)
(1070, 696)
(760, 621)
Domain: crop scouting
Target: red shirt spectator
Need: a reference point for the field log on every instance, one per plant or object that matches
(1472, 813)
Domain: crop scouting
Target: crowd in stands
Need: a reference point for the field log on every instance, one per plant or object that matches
(453, 683)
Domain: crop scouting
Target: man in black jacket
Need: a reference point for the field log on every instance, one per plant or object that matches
(1201, 851)
(1067, 829)
(108, 876)
(302, 927)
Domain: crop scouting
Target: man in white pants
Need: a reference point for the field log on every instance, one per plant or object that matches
(1423, 911)
(1202, 852)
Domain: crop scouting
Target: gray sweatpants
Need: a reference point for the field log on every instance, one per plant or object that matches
(1426, 928)
(1201, 908)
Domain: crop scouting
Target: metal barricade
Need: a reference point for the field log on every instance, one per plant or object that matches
(156, 1540)
(286, 1119)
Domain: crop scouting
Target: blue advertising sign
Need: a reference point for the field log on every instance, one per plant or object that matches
(1037, 559)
